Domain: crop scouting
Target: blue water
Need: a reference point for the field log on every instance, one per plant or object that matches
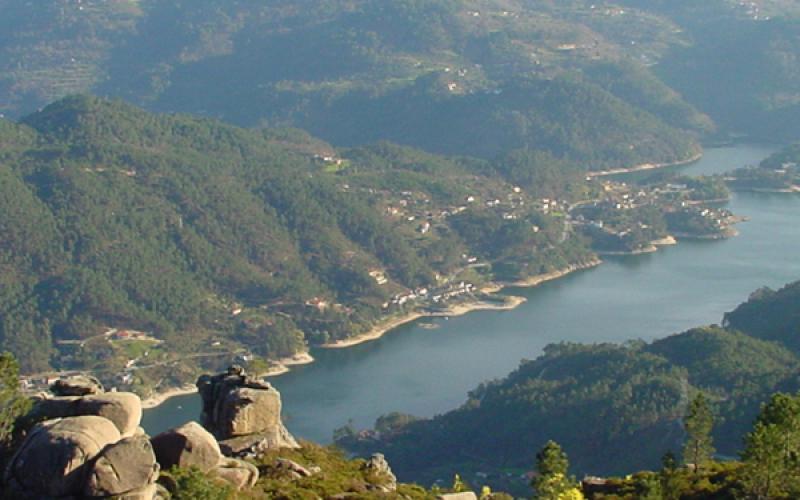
(425, 372)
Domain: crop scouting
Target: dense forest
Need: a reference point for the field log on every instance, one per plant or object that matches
(313, 64)
(613, 408)
(438, 75)
(260, 241)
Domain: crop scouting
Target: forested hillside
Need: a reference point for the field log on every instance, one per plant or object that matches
(434, 74)
(220, 240)
(614, 408)
(742, 65)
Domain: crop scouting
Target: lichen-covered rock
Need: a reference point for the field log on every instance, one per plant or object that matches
(378, 466)
(238, 473)
(124, 409)
(238, 406)
(54, 459)
(125, 467)
(190, 445)
(79, 385)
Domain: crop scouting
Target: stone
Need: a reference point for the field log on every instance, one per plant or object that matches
(124, 467)
(236, 405)
(245, 411)
(187, 446)
(79, 385)
(240, 474)
(378, 466)
(256, 445)
(149, 492)
(284, 464)
(124, 409)
(54, 458)
(466, 495)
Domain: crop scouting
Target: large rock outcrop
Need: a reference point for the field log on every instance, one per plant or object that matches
(122, 408)
(190, 445)
(84, 443)
(55, 459)
(79, 385)
(243, 412)
(123, 468)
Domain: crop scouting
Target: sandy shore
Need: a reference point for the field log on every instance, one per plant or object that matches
(159, 397)
(511, 302)
(284, 365)
(665, 241)
(382, 328)
(376, 331)
(644, 166)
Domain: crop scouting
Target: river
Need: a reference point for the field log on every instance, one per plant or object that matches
(428, 371)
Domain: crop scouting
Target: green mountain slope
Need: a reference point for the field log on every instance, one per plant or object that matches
(614, 408)
(510, 73)
(221, 240)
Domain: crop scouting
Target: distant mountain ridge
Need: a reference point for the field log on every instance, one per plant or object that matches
(434, 74)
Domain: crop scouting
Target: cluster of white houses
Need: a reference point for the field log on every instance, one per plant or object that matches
(436, 296)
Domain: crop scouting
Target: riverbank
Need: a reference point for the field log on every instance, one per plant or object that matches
(284, 365)
(541, 278)
(668, 240)
(645, 166)
(160, 397)
(383, 328)
(788, 190)
(511, 302)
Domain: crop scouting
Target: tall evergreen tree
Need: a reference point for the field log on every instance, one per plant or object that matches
(772, 450)
(12, 403)
(698, 424)
(551, 481)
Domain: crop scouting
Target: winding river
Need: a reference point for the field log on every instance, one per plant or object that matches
(428, 371)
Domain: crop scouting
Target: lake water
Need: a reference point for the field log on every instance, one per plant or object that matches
(425, 372)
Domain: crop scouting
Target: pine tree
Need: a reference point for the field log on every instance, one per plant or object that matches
(12, 403)
(698, 423)
(772, 450)
(551, 481)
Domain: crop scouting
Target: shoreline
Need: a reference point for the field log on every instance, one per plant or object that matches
(284, 365)
(653, 247)
(382, 329)
(159, 398)
(512, 302)
(790, 190)
(645, 166)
